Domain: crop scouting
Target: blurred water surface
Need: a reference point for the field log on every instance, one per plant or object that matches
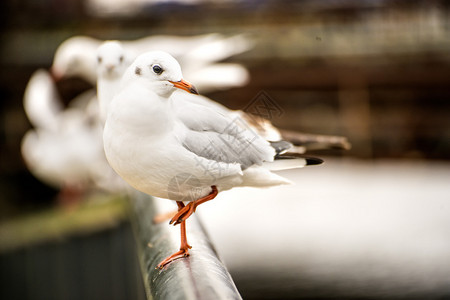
(347, 228)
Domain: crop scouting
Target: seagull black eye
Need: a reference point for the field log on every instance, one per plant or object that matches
(99, 59)
(121, 58)
(157, 69)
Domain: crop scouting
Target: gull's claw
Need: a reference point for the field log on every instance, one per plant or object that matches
(183, 214)
(179, 254)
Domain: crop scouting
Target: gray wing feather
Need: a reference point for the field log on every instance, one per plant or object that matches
(215, 137)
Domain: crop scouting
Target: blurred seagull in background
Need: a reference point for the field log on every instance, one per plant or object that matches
(200, 56)
(190, 156)
(112, 61)
(41, 101)
(64, 148)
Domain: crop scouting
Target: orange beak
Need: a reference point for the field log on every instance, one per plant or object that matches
(184, 85)
(57, 76)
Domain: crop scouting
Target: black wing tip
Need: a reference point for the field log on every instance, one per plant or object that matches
(312, 161)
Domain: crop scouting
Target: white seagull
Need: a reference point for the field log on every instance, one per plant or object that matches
(64, 148)
(66, 157)
(113, 59)
(200, 55)
(41, 101)
(190, 156)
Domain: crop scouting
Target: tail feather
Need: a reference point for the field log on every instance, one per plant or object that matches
(281, 146)
(316, 141)
(291, 160)
(310, 161)
(261, 177)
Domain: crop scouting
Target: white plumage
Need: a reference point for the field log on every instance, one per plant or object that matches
(149, 142)
(200, 56)
(113, 59)
(64, 148)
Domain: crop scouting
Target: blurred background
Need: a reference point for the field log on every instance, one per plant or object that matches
(370, 223)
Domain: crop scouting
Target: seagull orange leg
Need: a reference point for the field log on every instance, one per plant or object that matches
(184, 213)
(158, 219)
(184, 247)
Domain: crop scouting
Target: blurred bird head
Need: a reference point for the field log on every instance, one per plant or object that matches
(75, 58)
(112, 60)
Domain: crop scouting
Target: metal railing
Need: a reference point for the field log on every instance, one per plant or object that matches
(200, 276)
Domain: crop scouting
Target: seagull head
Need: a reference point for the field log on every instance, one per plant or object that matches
(111, 60)
(75, 57)
(160, 71)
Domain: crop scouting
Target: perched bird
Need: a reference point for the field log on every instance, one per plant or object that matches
(64, 149)
(113, 59)
(41, 101)
(190, 156)
(74, 58)
(200, 55)
(66, 157)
